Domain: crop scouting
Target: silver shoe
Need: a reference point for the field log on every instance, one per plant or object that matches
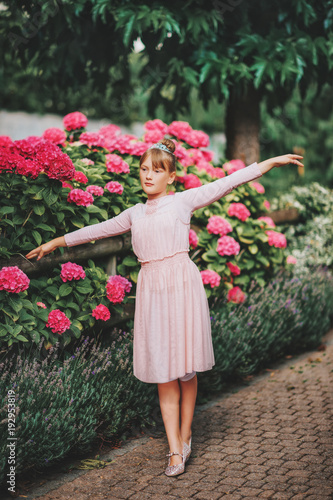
(187, 450)
(175, 470)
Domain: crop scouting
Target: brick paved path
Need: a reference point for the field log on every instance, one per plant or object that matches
(271, 439)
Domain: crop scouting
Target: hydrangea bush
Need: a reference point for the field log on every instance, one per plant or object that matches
(71, 178)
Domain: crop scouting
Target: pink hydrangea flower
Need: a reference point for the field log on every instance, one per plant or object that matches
(109, 131)
(153, 136)
(80, 197)
(179, 129)
(29, 168)
(226, 245)
(58, 321)
(74, 121)
(235, 270)
(80, 177)
(210, 278)
(233, 165)
(258, 187)
(116, 287)
(291, 259)
(275, 239)
(5, 141)
(196, 139)
(182, 155)
(55, 163)
(41, 304)
(55, 135)
(218, 225)
(239, 210)
(13, 280)
(86, 161)
(191, 181)
(92, 139)
(157, 125)
(268, 221)
(236, 295)
(101, 312)
(114, 187)
(95, 190)
(71, 271)
(267, 204)
(193, 238)
(115, 163)
(208, 155)
(66, 185)
(219, 173)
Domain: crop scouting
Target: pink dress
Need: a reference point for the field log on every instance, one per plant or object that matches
(172, 330)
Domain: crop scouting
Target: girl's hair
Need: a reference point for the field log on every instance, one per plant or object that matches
(160, 158)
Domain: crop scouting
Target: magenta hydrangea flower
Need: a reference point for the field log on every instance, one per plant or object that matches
(74, 121)
(80, 197)
(95, 190)
(115, 163)
(191, 181)
(67, 185)
(55, 135)
(275, 239)
(218, 225)
(13, 280)
(29, 168)
(268, 221)
(101, 312)
(5, 141)
(58, 321)
(114, 187)
(193, 238)
(258, 187)
(116, 287)
(226, 245)
(71, 271)
(210, 277)
(239, 210)
(236, 295)
(233, 165)
(80, 177)
(234, 269)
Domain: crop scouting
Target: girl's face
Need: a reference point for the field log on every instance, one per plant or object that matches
(154, 181)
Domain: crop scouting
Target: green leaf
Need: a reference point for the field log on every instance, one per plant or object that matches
(37, 237)
(65, 290)
(253, 249)
(6, 210)
(20, 337)
(262, 237)
(39, 209)
(130, 261)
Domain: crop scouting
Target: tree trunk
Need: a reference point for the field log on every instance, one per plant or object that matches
(242, 125)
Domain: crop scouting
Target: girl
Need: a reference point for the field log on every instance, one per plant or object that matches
(172, 331)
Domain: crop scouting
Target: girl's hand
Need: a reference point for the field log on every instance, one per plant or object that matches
(47, 248)
(279, 161)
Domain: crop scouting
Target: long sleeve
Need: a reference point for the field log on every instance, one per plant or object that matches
(111, 227)
(199, 197)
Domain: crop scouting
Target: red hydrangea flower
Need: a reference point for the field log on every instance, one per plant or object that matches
(55, 163)
(235, 270)
(236, 295)
(80, 177)
(197, 139)
(191, 181)
(239, 210)
(74, 121)
(193, 238)
(268, 220)
(226, 245)
(80, 197)
(26, 147)
(71, 271)
(31, 168)
(114, 187)
(115, 163)
(258, 187)
(55, 135)
(101, 312)
(95, 190)
(116, 287)
(275, 239)
(218, 225)
(58, 321)
(13, 280)
(210, 277)
(9, 160)
(5, 141)
(233, 165)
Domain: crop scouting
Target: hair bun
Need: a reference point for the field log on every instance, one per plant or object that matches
(169, 144)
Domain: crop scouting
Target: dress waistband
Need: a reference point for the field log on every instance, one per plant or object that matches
(176, 257)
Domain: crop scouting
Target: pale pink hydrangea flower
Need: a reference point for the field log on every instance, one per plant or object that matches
(275, 239)
(227, 245)
(191, 181)
(80, 177)
(218, 225)
(233, 165)
(114, 187)
(87, 162)
(109, 131)
(291, 259)
(115, 163)
(210, 277)
(58, 321)
(80, 197)
(95, 190)
(239, 210)
(116, 287)
(41, 304)
(236, 295)
(193, 238)
(13, 280)
(258, 187)
(101, 312)
(234, 269)
(74, 121)
(267, 204)
(55, 135)
(71, 271)
(268, 220)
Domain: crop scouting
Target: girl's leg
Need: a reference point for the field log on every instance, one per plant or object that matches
(169, 396)
(188, 398)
